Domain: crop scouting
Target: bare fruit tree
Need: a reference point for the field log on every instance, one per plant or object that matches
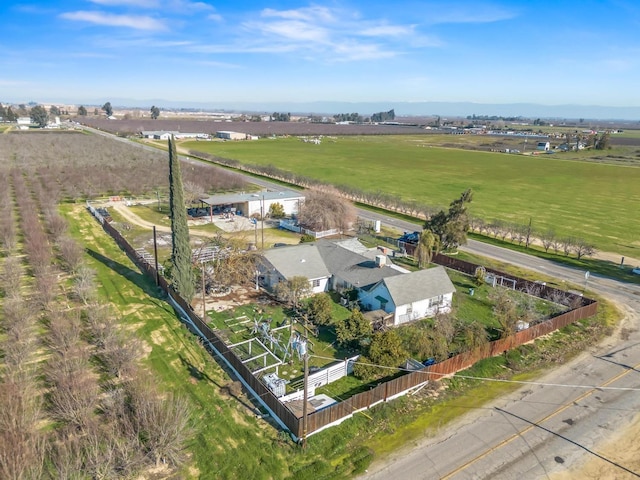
(163, 422)
(325, 210)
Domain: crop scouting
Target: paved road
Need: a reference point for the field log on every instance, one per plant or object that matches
(540, 429)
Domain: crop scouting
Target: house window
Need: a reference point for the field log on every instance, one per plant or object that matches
(316, 283)
(383, 302)
(436, 301)
(409, 309)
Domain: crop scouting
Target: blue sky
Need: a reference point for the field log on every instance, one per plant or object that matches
(83, 51)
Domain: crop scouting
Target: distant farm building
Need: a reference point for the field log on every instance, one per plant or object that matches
(158, 135)
(24, 123)
(543, 146)
(228, 135)
(165, 135)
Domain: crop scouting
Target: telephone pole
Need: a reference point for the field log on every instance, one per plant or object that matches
(304, 400)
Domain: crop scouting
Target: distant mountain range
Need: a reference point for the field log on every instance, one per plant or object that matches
(443, 109)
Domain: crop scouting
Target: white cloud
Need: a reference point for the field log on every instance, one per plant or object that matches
(359, 51)
(309, 14)
(387, 31)
(137, 22)
(215, 17)
(326, 34)
(292, 30)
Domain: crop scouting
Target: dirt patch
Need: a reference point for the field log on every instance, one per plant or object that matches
(238, 418)
(158, 336)
(239, 295)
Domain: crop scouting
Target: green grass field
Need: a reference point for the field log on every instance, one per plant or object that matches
(585, 199)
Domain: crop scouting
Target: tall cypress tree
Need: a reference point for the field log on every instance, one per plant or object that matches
(182, 272)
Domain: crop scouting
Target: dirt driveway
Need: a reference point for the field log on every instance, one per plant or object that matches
(240, 226)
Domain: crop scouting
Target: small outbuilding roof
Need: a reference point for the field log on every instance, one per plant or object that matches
(248, 197)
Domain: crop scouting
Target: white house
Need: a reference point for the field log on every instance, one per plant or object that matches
(412, 296)
(341, 265)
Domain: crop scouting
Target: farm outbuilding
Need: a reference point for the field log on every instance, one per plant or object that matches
(257, 204)
(543, 146)
(228, 135)
(158, 134)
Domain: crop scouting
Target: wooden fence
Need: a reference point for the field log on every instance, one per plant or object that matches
(337, 412)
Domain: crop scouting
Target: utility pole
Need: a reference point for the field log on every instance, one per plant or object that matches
(204, 302)
(304, 400)
(526, 245)
(155, 254)
(262, 219)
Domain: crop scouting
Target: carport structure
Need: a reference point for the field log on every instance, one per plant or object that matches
(250, 204)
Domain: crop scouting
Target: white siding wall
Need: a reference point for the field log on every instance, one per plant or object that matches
(411, 312)
(319, 285)
(289, 205)
(421, 309)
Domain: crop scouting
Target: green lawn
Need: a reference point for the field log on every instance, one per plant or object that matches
(584, 199)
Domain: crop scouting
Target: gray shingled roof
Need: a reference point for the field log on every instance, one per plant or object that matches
(419, 285)
(302, 260)
(352, 267)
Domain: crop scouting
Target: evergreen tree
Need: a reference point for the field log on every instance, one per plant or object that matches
(451, 227)
(82, 111)
(182, 271)
(108, 109)
(354, 330)
(11, 115)
(39, 116)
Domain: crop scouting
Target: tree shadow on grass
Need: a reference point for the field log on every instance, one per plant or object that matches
(196, 373)
(139, 279)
